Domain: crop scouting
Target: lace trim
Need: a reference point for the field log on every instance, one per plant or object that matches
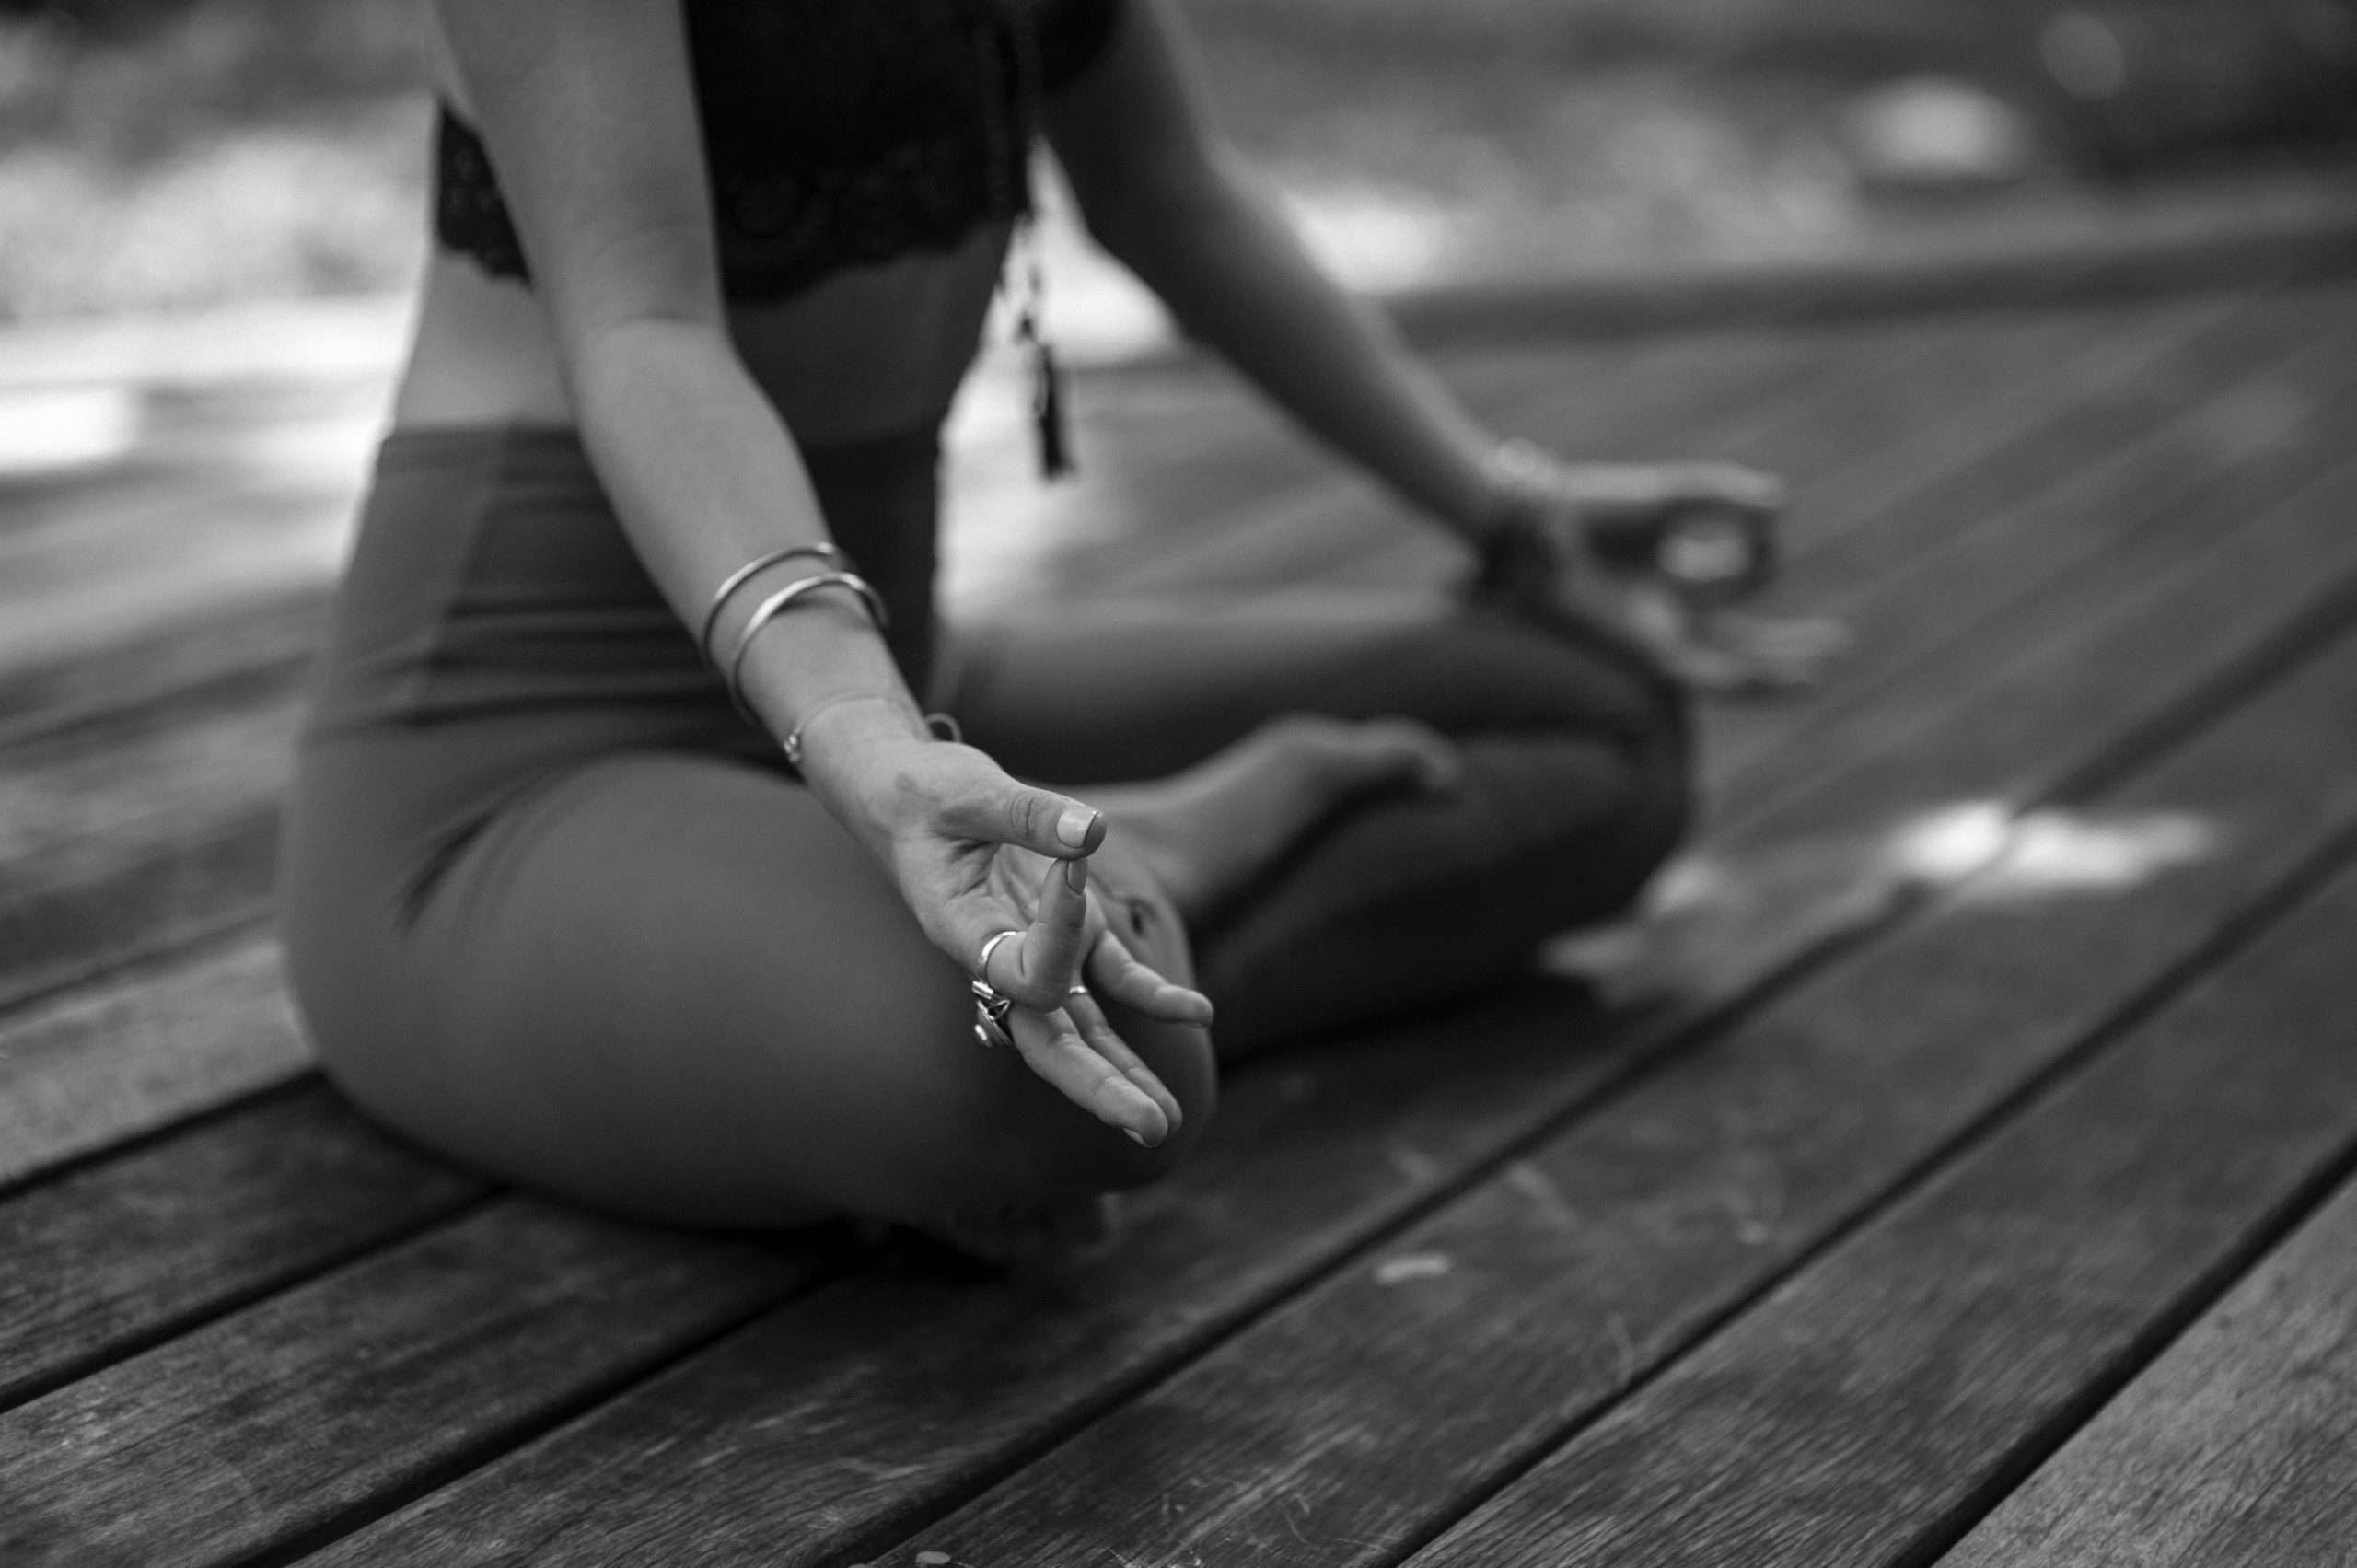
(894, 154)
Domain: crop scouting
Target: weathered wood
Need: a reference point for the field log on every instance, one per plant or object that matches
(2236, 1449)
(258, 650)
(152, 1046)
(978, 1379)
(240, 548)
(1859, 1414)
(2008, 562)
(2168, 247)
(109, 1259)
(137, 840)
(361, 1387)
(1349, 1426)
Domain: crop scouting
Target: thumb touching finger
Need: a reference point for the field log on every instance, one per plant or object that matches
(1037, 820)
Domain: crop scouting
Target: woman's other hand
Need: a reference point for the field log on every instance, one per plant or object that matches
(976, 853)
(1658, 551)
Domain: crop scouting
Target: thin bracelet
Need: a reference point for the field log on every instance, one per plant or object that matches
(941, 727)
(792, 744)
(831, 555)
(768, 609)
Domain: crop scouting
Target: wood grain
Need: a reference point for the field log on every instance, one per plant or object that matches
(118, 1060)
(372, 1381)
(2006, 568)
(1862, 1410)
(2236, 1449)
(116, 844)
(124, 1253)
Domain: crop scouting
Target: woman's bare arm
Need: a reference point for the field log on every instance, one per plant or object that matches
(1168, 197)
(587, 108)
(1164, 192)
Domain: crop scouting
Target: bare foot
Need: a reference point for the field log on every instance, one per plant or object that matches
(1208, 830)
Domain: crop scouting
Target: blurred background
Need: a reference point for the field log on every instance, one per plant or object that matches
(172, 152)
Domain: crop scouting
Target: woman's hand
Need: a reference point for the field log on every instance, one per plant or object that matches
(976, 853)
(1588, 540)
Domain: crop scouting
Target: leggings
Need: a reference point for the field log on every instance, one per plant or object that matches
(552, 909)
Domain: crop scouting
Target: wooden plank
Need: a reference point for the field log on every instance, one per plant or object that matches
(2008, 560)
(1490, 1329)
(133, 840)
(106, 1260)
(219, 548)
(365, 1384)
(1862, 1412)
(2236, 1449)
(2171, 245)
(1314, 1158)
(112, 1062)
(257, 649)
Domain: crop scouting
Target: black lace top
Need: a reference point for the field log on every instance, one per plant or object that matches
(839, 131)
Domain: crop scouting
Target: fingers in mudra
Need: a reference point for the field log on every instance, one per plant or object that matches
(1594, 550)
(1067, 939)
(1091, 1066)
(1731, 653)
(1041, 961)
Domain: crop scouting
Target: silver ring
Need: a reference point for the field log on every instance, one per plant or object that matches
(982, 964)
(990, 1014)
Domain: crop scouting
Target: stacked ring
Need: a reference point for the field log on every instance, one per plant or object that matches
(990, 1008)
(990, 1014)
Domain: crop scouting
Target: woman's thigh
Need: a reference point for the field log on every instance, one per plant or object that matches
(1125, 691)
(673, 986)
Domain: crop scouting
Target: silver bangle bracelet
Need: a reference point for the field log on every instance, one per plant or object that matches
(783, 600)
(830, 553)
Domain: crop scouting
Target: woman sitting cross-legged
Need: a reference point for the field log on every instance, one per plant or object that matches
(625, 860)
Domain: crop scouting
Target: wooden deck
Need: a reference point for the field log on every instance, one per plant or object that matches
(1973, 1187)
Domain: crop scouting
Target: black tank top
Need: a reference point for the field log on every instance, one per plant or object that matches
(838, 132)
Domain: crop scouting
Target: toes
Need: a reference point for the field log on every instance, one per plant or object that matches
(1405, 752)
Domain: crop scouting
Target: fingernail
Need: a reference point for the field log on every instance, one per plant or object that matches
(1135, 1136)
(1074, 826)
(1076, 876)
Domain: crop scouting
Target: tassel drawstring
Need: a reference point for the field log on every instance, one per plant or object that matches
(1006, 146)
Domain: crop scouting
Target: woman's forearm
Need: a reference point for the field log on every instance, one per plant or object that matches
(707, 478)
(1230, 264)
